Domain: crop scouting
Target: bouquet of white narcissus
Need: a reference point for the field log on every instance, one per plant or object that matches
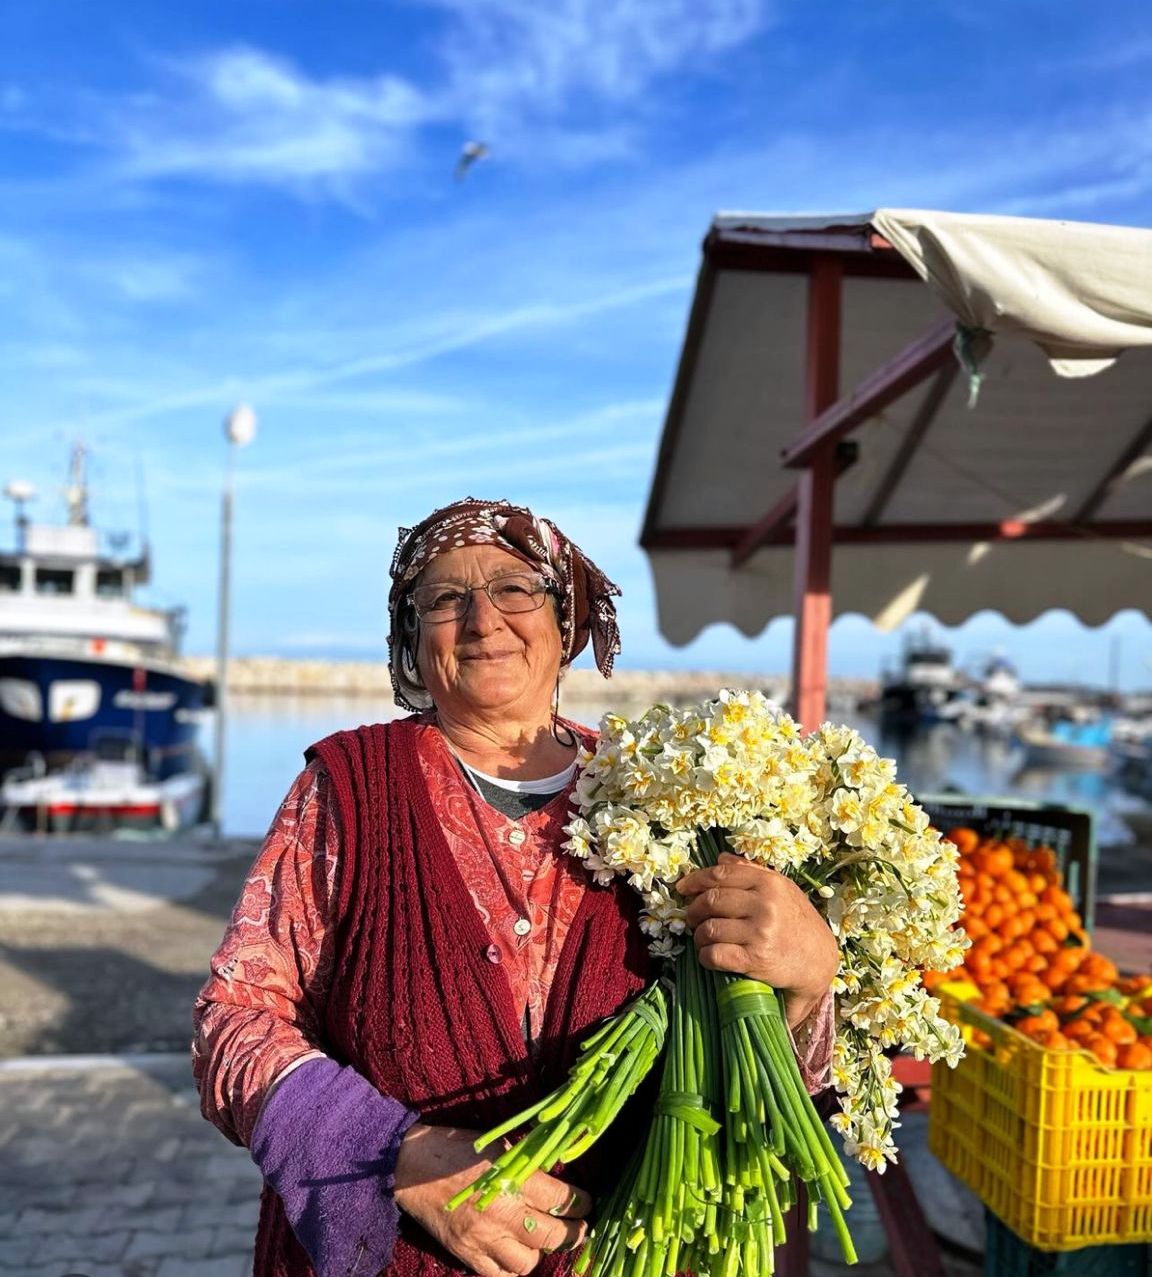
(734, 1133)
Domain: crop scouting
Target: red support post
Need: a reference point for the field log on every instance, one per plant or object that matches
(813, 555)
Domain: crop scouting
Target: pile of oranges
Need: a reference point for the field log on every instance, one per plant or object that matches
(1032, 960)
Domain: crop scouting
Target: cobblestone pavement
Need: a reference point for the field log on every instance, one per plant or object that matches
(107, 1169)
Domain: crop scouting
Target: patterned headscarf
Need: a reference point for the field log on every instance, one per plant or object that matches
(586, 607)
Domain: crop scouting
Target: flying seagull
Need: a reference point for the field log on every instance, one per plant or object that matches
(471, 152)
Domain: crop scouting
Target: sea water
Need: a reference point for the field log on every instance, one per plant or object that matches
(267, 736)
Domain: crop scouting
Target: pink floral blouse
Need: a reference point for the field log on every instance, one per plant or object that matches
(261, 1011)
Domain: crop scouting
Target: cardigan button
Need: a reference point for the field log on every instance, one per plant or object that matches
(492, 953)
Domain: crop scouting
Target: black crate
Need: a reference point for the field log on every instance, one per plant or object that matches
(1006, 1255)
(1069, 831)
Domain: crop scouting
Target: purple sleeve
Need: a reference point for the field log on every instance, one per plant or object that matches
(326, 1142)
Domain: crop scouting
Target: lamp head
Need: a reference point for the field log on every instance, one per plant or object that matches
(240, 425)
(19, 490)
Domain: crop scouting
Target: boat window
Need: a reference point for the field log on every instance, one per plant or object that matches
(21, 698)
(109, 583)
(73, 699)
(9, 578)
(54, 580)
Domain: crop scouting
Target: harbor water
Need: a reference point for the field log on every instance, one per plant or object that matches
(267, 737)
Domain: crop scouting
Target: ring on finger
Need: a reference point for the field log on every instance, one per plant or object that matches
(564, 1207)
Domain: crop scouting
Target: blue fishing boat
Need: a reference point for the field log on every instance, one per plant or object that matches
(88, 677)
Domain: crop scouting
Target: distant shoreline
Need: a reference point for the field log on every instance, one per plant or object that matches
(279, 676)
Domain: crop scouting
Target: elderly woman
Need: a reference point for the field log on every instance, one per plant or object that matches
(414, 959)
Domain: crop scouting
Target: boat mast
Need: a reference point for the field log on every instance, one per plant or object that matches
(76, 493)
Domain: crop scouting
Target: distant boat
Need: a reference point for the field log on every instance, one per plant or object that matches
(98, 795)
(1066, 743)
(1132, 757)
(991, 703)
(88, 678)
(924, 686)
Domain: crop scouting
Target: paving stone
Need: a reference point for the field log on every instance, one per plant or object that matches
(225, 1266)
(156, 1219)
(192, 1244)
(83, 1247)
(119, 1196)
(18, 1251)
(43, 1220)
(235, 1240)
(29, 1269)
(236, 1214)
(167, 1149)
(142, 1268)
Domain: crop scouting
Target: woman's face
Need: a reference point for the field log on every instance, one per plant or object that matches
(487, 659)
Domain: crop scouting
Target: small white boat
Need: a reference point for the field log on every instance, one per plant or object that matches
(99, 795)
(922, 689)
(1066, 744)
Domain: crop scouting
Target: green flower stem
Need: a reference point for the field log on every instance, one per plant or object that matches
(772, 1126)
(816, 1136)
(615, 1060)
(836, 1212)
(699, 1195)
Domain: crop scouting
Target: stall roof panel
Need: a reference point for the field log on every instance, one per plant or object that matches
(1038, 496)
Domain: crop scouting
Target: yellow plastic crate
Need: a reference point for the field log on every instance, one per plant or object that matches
(1055, 1144)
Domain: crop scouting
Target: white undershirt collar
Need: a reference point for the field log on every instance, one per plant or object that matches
(545, 784)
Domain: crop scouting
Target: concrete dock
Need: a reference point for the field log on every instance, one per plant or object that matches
(107, 1168)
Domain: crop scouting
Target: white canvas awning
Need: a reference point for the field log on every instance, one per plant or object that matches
(1038, 497)
(1082, 292)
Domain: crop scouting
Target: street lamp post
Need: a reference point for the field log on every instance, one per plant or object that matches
(239, 430)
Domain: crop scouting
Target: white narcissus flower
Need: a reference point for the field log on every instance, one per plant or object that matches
(824, 809)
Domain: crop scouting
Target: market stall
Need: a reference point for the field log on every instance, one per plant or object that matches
(827, 451)
(914, 411)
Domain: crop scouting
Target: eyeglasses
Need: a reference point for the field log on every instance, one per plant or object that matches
(449, 600)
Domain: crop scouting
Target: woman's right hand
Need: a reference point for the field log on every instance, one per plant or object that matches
(509, 1236)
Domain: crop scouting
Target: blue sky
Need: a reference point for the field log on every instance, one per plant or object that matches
(255, 200)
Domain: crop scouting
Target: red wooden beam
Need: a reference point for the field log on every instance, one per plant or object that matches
(777, 519)
(1005, 530)
(727, 538)
(891, 380)
(848, 240)
(1115, 473)
(911, 442)
(812, 563)
(787, 252)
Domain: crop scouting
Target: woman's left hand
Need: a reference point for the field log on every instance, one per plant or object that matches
(749, 920)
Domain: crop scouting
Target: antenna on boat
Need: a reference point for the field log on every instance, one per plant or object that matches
(20, 492)
(76, 493)
(142, 505)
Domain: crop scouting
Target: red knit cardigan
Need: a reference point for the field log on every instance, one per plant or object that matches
(415, 1005)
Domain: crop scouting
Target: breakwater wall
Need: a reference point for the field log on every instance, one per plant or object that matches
(278, 676)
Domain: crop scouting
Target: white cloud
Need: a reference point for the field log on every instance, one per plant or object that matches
(544, 83)
(508, 57)
(456, 333)
(612, 440)
(155, 277)
(243, 115)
